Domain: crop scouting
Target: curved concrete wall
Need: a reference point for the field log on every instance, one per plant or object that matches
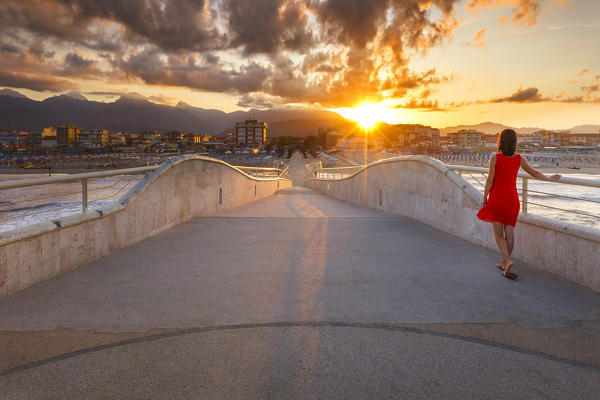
(425, 189)
(179, 190)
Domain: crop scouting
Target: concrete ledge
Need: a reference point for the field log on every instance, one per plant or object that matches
(178, 190)
(427, 190)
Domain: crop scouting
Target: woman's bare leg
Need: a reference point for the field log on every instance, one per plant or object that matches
(502, 244)
(509, 235)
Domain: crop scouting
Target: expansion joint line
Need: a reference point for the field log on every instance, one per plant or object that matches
(295, 324)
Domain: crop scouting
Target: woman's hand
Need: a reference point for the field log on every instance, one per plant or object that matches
(555, 177)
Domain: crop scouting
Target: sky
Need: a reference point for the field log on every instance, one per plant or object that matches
(435, 62)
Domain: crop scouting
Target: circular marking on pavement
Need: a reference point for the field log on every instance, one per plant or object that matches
(310, 324)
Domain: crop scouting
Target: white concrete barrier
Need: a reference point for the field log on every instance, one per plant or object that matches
(426, 190)
(180, 189)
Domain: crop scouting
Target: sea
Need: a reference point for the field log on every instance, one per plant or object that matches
(579, 205)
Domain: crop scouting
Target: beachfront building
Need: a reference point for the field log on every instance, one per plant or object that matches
(250, 132)
(580, 139)
(546, 138)
(467, 138)
(68, 134)
(328, 136)
(353, 144)
(408, 135)
(93, 137)
(116, 138)
(174, 137)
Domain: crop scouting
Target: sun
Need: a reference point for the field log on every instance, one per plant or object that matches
(366, 114)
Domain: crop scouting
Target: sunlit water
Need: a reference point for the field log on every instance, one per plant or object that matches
(576, 204)
(25, 206)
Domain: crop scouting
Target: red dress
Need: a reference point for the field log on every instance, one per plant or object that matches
(503, 201)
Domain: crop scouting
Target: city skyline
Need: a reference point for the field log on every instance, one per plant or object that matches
(440, 63)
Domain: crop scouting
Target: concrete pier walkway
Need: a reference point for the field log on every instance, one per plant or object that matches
(300, 296)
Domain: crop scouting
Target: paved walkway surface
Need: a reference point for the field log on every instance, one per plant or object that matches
(300, 296)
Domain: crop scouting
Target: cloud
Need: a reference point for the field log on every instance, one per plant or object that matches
(425, 105)
(162, 99)
(525, 12)
(267, 26)
(9, 48)
(330, 52)
(105, 93)
(589, 90)
(582, 72)
(106, 24)
(34, 82)
(149, 67)
(78, 66)
(529, 95)
(479, 40)
(532, 95)
(256, 100)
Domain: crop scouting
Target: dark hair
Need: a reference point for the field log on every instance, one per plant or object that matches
(507, 142)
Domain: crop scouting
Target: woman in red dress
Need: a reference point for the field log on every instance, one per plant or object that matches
(501, 201)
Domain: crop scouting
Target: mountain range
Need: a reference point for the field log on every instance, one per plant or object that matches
(493, 128)
(133, 113)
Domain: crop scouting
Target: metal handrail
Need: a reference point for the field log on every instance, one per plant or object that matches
(323, 174)
(524, 175)
(83, 178)
(18, 183)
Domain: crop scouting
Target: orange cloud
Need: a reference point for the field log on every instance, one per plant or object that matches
(524, 11)
(479, 40)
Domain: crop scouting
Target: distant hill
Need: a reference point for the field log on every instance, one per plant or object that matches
(485, 127)
(133, 112)
(12, 93)
(493, 128)
(585, 129)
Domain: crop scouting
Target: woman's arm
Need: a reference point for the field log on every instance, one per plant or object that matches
(490, 179)
(537, 174)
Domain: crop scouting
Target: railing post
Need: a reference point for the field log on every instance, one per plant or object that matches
(524, 195)
(84, 195)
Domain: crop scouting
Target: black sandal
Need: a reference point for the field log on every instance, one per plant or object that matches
(509, 275)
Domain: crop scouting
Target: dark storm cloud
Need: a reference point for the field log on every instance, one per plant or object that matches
(152, 69)
(529, 95)
(9, 48)
(172, 25)
(267, 26)
(332, 52)
(78, 66)
(34, 82)
(352, 21)
(255, 100)
(74, 60)
(38, 49)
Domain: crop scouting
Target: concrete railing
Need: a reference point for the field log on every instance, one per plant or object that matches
(178, 190)
(427, 190)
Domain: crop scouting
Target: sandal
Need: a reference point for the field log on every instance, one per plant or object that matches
(500, 267)
(509, 275)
